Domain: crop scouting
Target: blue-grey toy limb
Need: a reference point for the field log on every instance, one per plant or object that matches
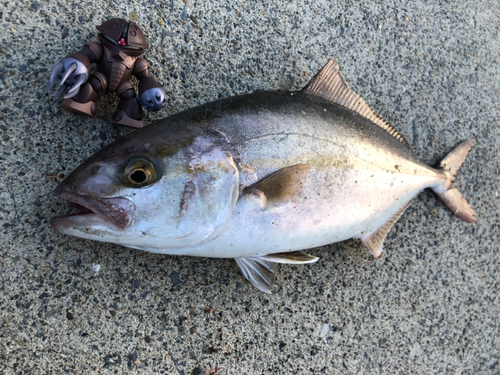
(151, 95)
(154, 99)
(71, 73)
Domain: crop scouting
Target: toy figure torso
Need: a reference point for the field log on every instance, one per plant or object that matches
(116, 71)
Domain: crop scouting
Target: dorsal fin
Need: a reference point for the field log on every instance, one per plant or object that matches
(329, 84)
(375, 240)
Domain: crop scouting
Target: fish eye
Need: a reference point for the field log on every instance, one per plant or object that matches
(139, 172)
(138, 176)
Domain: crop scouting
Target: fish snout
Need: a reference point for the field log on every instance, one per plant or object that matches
(118, 211)
(58, 191)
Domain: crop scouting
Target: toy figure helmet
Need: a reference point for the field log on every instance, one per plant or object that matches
(123, 33)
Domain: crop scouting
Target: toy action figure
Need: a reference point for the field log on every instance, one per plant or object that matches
(116, 56)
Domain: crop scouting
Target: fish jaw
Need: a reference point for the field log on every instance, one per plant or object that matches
(98, 216)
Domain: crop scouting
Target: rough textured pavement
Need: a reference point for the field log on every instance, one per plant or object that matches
(430, 305)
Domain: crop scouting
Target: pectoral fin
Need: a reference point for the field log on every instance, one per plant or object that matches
(292, 257)
(281, 186)
(374, 241)
(256, 198)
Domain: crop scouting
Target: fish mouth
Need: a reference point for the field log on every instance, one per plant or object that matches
(116, 212)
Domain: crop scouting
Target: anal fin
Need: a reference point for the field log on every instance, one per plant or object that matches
(258, 271)
(292, 257)
(374, 241)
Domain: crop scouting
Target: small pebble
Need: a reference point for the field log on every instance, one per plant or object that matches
(324, 330)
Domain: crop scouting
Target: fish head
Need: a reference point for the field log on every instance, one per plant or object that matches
(163, 187)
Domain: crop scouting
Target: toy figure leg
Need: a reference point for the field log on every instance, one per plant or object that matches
(84, 102)
(129, 111)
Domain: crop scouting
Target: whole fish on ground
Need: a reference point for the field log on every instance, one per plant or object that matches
(257, 178)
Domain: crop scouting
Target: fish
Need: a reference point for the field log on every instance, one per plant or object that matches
(258, 178)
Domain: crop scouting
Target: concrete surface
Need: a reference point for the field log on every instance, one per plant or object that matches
(430, 305)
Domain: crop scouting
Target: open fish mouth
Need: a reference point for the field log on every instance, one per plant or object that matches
(116, 213)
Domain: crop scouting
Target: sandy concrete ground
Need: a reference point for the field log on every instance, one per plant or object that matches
(430, 305)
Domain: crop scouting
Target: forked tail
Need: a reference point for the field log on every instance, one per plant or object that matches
(452, 197)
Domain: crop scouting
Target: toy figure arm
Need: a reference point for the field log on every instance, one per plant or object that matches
(151, 95)
(93, 51)
(73, 70)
